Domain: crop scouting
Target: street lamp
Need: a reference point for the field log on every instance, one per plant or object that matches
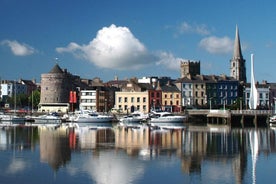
(210, 101)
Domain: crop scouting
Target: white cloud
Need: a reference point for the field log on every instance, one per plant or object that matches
(200, 29)
(19, 49)
(168, 60)
(113, 47)
(217, 45)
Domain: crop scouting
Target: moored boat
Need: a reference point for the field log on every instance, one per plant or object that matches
(12, 118)
(135, 118)
(90, 118)
(48, 119)
(161, 118)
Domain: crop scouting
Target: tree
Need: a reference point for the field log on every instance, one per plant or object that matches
(34, 99)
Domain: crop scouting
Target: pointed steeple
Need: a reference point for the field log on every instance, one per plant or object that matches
(237, 46)
(237, 63)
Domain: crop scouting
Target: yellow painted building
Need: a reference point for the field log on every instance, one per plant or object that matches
(171, 100)
(132, 101)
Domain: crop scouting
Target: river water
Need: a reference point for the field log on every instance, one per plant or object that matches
(193, 154)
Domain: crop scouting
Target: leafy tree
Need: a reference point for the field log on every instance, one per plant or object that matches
(34, 98)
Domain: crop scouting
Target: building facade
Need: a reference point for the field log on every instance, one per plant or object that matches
(132, 101)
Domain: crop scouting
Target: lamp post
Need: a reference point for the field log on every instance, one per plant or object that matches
(210, 101)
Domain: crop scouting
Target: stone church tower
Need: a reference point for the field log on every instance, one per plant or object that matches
(191, 68)
(237, 63)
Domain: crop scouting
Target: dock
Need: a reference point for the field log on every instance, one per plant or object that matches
(232, 118)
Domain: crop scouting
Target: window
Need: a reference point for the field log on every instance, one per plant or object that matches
(125, 99)
(144, 99)
(138, 99)
(144, 108)
(120, 100)
(132, 99)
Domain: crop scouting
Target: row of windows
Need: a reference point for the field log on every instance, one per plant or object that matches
(171, 96)
(138, 107)
(88, 100)
(132, 99)
(222, 94)
(261, 95)
(88, 93)
(202, 86)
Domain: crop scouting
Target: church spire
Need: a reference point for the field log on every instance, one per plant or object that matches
(237, 46)
(237, 63)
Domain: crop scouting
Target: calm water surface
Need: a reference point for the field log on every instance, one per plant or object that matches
(195, 154)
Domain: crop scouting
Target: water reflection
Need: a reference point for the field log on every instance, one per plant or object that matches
(122, 154)
(54, 147)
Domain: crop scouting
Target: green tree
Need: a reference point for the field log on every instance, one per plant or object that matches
(34, 99)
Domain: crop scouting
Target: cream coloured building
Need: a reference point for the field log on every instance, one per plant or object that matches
(132, 101)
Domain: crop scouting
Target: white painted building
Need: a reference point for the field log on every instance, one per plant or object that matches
(9, 88)
(263, 95)
(88, 100)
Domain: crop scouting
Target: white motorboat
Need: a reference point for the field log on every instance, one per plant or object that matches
(88, 118)
(161, 118)
(134, 118)
(12, 118)
(48, 119)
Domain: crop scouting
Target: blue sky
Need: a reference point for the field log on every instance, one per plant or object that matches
(127, 38)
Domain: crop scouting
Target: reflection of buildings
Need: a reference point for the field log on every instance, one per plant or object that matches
(89, 138)
(147, 141)
(54, 147)
(132, 139)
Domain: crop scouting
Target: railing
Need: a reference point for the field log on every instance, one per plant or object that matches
(258, 112)
(234, 112)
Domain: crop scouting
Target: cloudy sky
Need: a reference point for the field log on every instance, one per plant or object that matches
(105, 38)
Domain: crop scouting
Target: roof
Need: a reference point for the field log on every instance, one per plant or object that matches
(237, 46)
(56, 69)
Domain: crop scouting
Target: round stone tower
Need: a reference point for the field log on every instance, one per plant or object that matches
(55, 88)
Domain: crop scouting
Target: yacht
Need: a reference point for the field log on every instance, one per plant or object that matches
(162, 118)
(11, 118)
(88, 118)
(48, 119)
(135, 118)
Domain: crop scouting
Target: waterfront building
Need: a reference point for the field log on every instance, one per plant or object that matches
(207, 90)
(171, 98)
(93, 99)
(10, 89)
(55, 90)
(132, 101)
(30, 84)
(263, 91)
(237, 63)
(133, 96)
